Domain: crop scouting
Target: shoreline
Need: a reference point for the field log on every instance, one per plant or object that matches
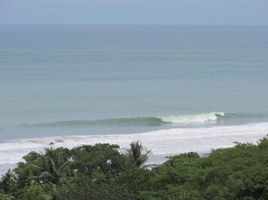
(162, 142)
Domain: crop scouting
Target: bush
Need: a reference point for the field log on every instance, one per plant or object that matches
(101, 172)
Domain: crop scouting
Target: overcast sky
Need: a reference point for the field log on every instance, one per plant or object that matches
(179, 12)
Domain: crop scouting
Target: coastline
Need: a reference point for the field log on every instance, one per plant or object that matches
(162, 143)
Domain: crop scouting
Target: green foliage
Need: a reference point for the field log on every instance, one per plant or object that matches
(5, 197)
(234, 173)
(8, 182)
(101, 172)
(137, 154)
(83, 187)
(38, 192)
(98, 159)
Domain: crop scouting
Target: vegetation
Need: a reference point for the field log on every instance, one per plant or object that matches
(137, 154)
(101, 172)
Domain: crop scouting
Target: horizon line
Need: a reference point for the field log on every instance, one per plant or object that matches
(84, 24)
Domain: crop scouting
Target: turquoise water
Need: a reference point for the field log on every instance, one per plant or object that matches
(87, 80)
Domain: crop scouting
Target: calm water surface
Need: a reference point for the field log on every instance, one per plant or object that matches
(68, 80)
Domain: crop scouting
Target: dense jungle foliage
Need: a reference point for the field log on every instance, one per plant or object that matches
(102, 172)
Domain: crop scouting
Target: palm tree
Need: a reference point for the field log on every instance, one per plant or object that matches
(137, 154)
(51, 167)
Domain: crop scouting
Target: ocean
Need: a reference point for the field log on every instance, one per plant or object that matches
(175, 88)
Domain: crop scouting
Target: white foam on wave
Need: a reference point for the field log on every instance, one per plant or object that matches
(196, 118)
(161, 142)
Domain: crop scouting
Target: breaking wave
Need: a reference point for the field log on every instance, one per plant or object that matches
(204, 118)
(177, 120)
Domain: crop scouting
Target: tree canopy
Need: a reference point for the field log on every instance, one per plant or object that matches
(102, 172)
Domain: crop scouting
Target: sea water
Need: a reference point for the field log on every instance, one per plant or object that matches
(176, 88)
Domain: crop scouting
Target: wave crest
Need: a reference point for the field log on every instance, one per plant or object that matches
(136, 121)
(196, 118)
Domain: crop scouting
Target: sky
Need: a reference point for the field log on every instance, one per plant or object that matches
(162, 12)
